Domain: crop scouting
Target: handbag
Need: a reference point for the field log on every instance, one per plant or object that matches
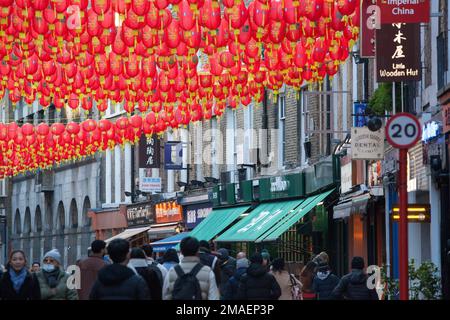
(296, 291)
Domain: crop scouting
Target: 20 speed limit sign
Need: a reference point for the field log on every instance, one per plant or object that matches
(403, 130)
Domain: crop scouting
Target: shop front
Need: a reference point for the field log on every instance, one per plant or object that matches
(196, 208)
(108, 222)
(291, 219)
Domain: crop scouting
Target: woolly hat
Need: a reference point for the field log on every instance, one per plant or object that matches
(54, 254)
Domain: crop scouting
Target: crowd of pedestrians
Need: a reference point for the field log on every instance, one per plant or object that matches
(118, 272)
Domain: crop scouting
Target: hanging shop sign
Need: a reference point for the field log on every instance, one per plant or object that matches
(147, 183)
(390, 162)
(446, 118)
(367, 28)
(366, 144)
(398, 53)
(346, 177)
(194, 214)
(169, 211)
(359, 111)
(149, 152)
(140, 214)
(405, 11)
(173, 155)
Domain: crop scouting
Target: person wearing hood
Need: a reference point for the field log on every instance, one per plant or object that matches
(116, 281)
(257, 283)
(353, 286)
(170, 259)
(17, 283)
(227, 268)
(138, 262)
(324, 282)
(284, 279)
(53, 279)
(231, 288)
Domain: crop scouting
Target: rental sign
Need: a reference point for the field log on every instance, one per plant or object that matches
(404, 11)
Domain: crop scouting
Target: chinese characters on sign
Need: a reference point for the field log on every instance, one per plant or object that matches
(405, 11)
(149, 152)
(148, 183)
(168, 212)
(142, 214)
(398, 53)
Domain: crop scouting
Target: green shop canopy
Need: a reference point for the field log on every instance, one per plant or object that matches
(284, 225)
(216, 222)
(270, 220)
(259, 221)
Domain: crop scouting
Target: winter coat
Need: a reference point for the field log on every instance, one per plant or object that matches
(258, 284)
(28, 291)
(169, 265)
(205, 278)
(210, 260)
(227, 270)
(118, 282)
(89, 269)
(231, 288)
(60, 292)
(324, 284)
(353, 286)
(285, 283)
(149, 275)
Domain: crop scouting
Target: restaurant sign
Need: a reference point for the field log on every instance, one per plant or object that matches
(140, 214)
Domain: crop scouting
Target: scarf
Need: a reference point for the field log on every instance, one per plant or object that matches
(17, 278)
(323, 275)
(52, 278)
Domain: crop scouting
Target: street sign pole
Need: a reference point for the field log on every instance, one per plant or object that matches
(403, 225)
(403, 131)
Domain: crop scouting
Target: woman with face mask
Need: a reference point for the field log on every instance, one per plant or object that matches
(17, 283)
(53, 279)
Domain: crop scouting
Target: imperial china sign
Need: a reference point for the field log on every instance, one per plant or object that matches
(398, 53)
(406, 11)
(366, 144)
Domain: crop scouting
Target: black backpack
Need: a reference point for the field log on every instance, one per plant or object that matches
(187, 286)
(154, 266)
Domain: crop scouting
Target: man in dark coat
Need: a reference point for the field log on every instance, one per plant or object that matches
(117, 281)
(257, 283)
(210, 260)
(227, 268)
(90, 267)
(353, 286)
(324, 282)
(231, 288)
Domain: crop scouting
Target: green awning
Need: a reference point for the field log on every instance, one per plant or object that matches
(259, 221)
(291, 219)
(216, 222)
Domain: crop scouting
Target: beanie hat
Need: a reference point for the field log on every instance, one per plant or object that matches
(357, 263)
(265, 254)
(54, 254)
(242, 263)
(223, 253)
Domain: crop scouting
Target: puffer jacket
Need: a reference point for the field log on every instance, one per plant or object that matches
(205, 278)
(231, 288)
(118, 282)
(353, 286)
(324, 283)
(60, 292)
(258, 284)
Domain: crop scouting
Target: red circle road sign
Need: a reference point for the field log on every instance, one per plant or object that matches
(403, 130)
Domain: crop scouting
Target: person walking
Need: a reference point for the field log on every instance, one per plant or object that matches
(210, 260)
(353, 286)
(190, 279)
(306, 278)
(324, 282)
(285, 280)
(257, 283)
(157, 267)
(139, 263)
(53, 279)
(17, 283)
(116, 281)
(227, 268)
(266, 259)
(90, 267)
(35, 267)
(170, 259)
(231, 288)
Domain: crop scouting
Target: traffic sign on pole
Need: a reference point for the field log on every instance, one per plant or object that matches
(403, 131)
